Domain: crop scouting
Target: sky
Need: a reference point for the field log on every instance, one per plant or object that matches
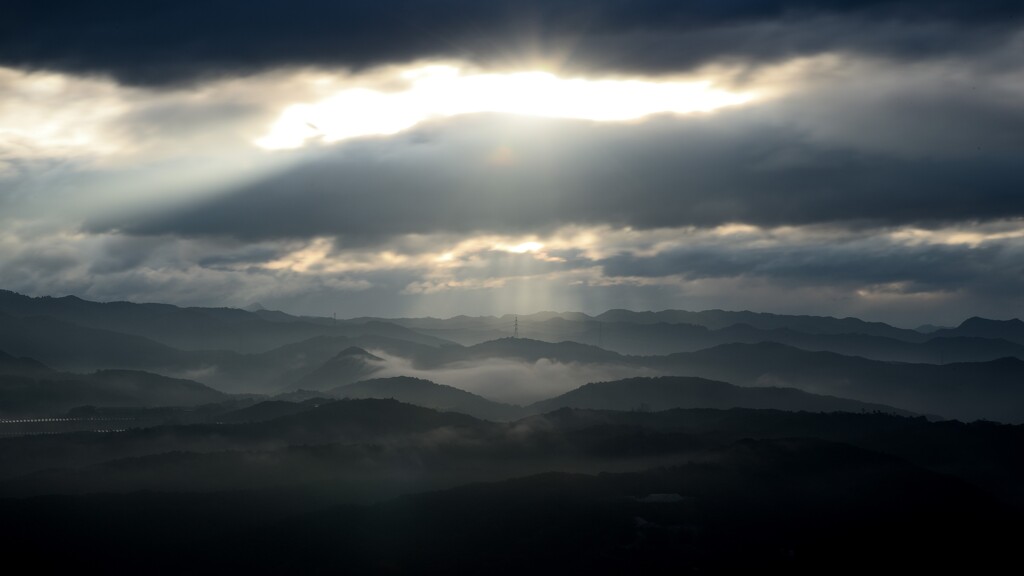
(443, 157)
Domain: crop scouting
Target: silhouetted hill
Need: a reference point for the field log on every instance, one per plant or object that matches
(411, 446)
(662, 338)
(68, 346)
(376, 423)
(971, 390)
(771, 505)
(428, 394)
(688, 392)
(349, 365)
(1011, 330)
(985, 390)
(296, 396)
(774, 506)
(269, 410)
(965, 390)
(11, 366)
(292, 362)
(53, 393)
(936, 350)
(359, 420)
(72, 347)
(953, 349)
(983, 453)
(281, 368)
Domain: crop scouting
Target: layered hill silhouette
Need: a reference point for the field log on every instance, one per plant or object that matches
(708, 442)
(29, 388)
(669, 392)
(647, 394)
(269, 410)
(964, 390)
(349, 365)
(376, 423)
(12, 366)
(774, 506)
(430, 395)
(968, 391)
(378, 447)
(1010, 330)
(765, 495)
(74, 347)
(967, 372)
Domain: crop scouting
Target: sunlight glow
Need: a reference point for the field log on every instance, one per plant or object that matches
(443, 91)
(46, 115)
(1001, 231)
(522, 248)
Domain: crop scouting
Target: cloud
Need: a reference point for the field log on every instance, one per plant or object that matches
(872, 263)
(816, 157)
(173, 42)
(877, 170)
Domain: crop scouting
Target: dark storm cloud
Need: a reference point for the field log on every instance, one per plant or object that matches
(247, 257)
(740, 166)
(919, 268)
(164, 42)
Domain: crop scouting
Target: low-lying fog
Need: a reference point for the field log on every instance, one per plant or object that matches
(511, 381)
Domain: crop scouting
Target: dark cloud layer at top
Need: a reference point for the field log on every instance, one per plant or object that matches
(163, 42)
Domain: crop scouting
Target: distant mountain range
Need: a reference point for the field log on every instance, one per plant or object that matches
(972, 371)
(969, 390)
(668, 332)
(223, 440)
(195, 328)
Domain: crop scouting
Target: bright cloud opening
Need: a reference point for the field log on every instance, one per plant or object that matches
(522, 248)
(444, 91)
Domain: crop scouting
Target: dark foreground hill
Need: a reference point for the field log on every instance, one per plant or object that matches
(380, 446)
(380, 487)
(11, 366)
(756, 506)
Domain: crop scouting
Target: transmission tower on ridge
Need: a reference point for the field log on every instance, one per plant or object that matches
(515, 328)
